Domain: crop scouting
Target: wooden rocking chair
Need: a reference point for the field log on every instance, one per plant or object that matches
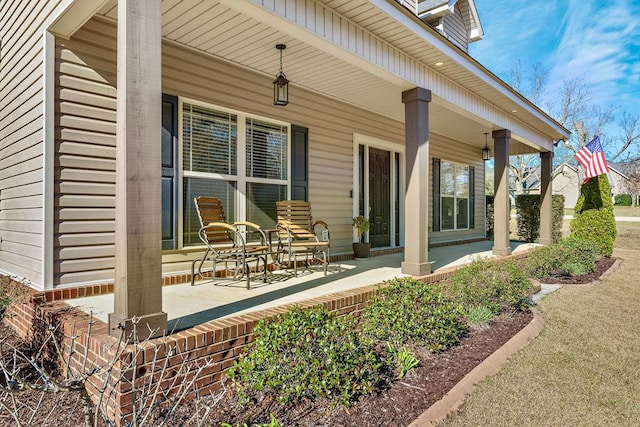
(227, 243)
(298, 235)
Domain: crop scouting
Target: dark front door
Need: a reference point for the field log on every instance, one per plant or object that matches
(379, 197)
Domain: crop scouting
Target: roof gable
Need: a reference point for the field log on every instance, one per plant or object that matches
(429, 10)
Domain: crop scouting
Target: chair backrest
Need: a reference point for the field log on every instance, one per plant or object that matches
(210, 210)
(296, 216)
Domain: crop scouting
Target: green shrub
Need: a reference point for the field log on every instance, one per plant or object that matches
(528, 216)
(308, 353)
(557, 216)
(489, 214)
(479, 316)
(500, 286)
(409, 311)
(623, 200)
(593, 217)
(569, 257)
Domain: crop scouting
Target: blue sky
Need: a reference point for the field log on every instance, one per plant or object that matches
(598, 41)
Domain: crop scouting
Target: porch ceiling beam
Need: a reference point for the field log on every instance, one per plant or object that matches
(138, 259)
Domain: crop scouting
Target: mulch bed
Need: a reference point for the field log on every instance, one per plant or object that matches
(397, 403)
(603, 264)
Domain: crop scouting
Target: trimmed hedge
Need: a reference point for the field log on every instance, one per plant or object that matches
(557, 217)
(528, 216)
(594, 219)
(623, 200)
(489, 214)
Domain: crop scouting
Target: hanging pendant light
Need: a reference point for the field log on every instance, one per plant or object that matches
(281, 84)
(485, 150)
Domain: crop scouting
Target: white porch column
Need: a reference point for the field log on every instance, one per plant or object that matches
(501, 214)
(416, 125)
(546, 205)
(138, 270)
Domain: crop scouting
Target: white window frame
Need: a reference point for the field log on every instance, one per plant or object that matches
(455, 198)
(370, 141)
(241, 179)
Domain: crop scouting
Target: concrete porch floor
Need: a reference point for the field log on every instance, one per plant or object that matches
(187, 306)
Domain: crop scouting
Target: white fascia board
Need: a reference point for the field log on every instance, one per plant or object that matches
(476, 33)
(465, 61)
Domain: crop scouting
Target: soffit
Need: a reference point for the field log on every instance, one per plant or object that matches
(215, 29)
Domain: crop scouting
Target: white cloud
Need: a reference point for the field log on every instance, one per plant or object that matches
(597, 46)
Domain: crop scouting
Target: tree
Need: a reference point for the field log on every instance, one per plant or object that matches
(573, 107)
(594, 219)
(632, 185)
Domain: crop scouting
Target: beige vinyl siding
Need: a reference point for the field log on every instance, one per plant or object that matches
(455, 151)
(455, 30)
(85, 144)
(21, 136)
(84, 207)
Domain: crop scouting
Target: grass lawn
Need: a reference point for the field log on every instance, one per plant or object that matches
(582, 370)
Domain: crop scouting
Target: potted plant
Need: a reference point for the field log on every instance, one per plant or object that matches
(360, 248)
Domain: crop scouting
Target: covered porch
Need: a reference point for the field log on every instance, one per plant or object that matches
(358, 69)
(188, 306)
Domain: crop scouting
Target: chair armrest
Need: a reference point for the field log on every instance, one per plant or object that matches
(239, 240)
(255, 229)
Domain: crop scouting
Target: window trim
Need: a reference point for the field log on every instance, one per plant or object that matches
(240, 179)
(455, 198)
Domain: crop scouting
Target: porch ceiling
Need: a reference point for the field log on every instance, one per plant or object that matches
(215, 29)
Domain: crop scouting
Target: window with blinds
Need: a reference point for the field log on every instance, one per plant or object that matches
(210, 147)
(266, 150)
(209, 140)
(454, 196)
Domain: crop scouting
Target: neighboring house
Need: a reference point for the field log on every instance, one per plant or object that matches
(566, 181)
(386, 117)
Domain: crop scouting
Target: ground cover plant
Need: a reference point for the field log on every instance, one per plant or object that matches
(572, 256)
(308, 354)
(500, 287)
(409, 311)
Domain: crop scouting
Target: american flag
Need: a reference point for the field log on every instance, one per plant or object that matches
(591, 158)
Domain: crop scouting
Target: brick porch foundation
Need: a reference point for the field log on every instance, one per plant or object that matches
(195, 358)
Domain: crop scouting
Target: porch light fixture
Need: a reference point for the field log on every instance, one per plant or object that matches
(281, 84)
(485, 150)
